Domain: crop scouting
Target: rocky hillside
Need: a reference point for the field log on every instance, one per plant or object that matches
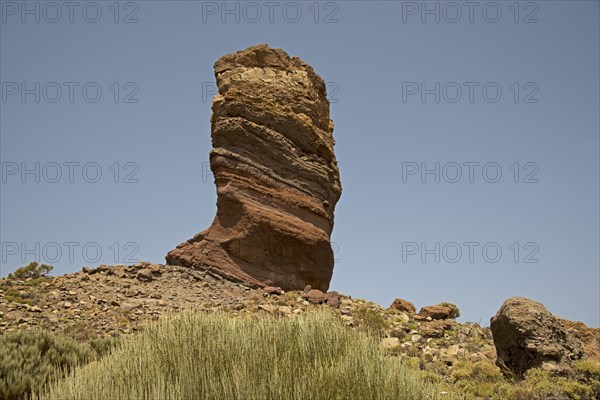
(117, 300)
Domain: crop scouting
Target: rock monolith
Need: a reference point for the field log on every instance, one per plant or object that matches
(276, 175)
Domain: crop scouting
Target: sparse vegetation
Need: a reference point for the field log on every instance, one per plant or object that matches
(17, 297)
(218, 356)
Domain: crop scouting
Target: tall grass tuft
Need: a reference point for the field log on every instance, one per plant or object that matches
(216, 356)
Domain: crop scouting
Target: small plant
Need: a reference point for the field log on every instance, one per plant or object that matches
(398, 333)
(33, 270)
(454, 310)
(412, 327)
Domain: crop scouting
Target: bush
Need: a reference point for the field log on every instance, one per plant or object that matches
(219, 356)
(105, 345)
(33, 270)
(542, 385)
(17, 297)
(455, 311)
(30, 358)
(588, 367)
(476, 378)
(590, 371)
(370, 321)
(480, 371)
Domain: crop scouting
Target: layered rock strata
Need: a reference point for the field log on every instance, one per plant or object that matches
(276, 175)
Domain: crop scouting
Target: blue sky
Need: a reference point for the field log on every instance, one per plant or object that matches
(467, 139)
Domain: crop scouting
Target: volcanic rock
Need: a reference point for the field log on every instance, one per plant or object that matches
(272, 290)
(276, 175)
(436, 328)
(435, 312)
(333, 299)
(403, 305)
(527, 335)
(314, 296)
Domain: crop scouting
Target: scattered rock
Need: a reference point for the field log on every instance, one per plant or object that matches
(390, 343)
(314, 296)
(145, 274)
(436, 328)
(102, 268)
(129, 305)
(155, 269)
(451, 354)
(272, 290)
(286, 310)
(403, 305)
(403, 317)
(268, 307)
(332, 299)
(435, 312)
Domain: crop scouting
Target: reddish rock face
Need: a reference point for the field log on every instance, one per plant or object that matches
(276, 175)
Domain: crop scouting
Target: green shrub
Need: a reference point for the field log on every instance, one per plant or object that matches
(480, 371)
(16, 297)
(542, 385)
(455, 311)
(476, 378)
(103, 346)
(33, 270)
(370, 321)
(588, 367)
(219, 356)
(30, 358)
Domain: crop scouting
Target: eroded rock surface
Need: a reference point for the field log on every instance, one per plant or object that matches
(527, 335)
(276, 175)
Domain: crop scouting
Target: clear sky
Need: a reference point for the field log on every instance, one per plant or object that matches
(467, 139)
